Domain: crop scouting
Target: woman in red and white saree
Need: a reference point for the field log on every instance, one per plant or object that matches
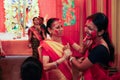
(55, 59)
(56, 64)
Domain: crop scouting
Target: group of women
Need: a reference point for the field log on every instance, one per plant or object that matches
(57, 57)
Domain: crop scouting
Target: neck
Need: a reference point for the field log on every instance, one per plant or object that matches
(56, 38)
(98, 40)
(36, 24)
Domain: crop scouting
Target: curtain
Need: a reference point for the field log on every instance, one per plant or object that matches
(2, 17)
(47, 9)
(83, 8)
(115, 22)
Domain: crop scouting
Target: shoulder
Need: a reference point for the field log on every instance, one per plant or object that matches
(100, 48)
(32, 27)
(44, 44)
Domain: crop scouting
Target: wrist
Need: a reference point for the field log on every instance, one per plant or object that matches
(71, 58)
(64, 57)
(56, 63)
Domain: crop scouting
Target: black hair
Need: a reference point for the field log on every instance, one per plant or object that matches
(34, 18)
(49, 23)
(101, 22)
(41, 18)
(31, 69)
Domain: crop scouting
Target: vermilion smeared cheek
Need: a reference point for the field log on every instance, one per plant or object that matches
(93, 34)
(56, 31)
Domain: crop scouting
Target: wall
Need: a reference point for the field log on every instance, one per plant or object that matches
(10, 67)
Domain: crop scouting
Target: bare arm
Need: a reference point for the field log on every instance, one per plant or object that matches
(82, 49)
(51, 65)
(84, 65)
(29, 36)
(29, 39)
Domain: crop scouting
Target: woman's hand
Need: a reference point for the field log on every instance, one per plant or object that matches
(80, 60)
(67, 52)
(87, 42)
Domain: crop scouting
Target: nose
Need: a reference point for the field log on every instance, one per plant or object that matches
(61, 28)
(87, 31)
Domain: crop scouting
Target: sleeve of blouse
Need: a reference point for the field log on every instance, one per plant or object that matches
(98, 54)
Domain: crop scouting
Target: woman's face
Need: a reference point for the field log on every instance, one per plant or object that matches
(90, 30)
(57, 29)
(36, 21)
(40, 21)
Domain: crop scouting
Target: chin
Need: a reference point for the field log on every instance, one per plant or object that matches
(59, 35)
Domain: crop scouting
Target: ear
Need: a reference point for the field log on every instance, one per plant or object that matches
(100, 33)
(49, 30)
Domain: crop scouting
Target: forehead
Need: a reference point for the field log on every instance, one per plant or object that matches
(90, 24)
(40, 19)
(35, 19)
(57, 22)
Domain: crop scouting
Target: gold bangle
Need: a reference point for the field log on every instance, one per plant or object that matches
(57, 63)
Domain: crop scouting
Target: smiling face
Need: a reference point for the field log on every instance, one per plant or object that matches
(56, 28)
(36, 21)
(91, 30)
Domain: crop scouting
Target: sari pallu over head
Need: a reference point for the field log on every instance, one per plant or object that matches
(55, 51)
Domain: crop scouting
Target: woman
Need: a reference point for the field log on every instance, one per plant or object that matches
(101, 53)
(55, 59)
(35, 35)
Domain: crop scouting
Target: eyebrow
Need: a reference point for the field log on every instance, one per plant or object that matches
(90, 27)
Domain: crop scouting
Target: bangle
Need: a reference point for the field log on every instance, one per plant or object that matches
(56, 63)
(71, 58)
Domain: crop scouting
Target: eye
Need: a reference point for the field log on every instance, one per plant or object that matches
(90, 28)
(59, 26)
